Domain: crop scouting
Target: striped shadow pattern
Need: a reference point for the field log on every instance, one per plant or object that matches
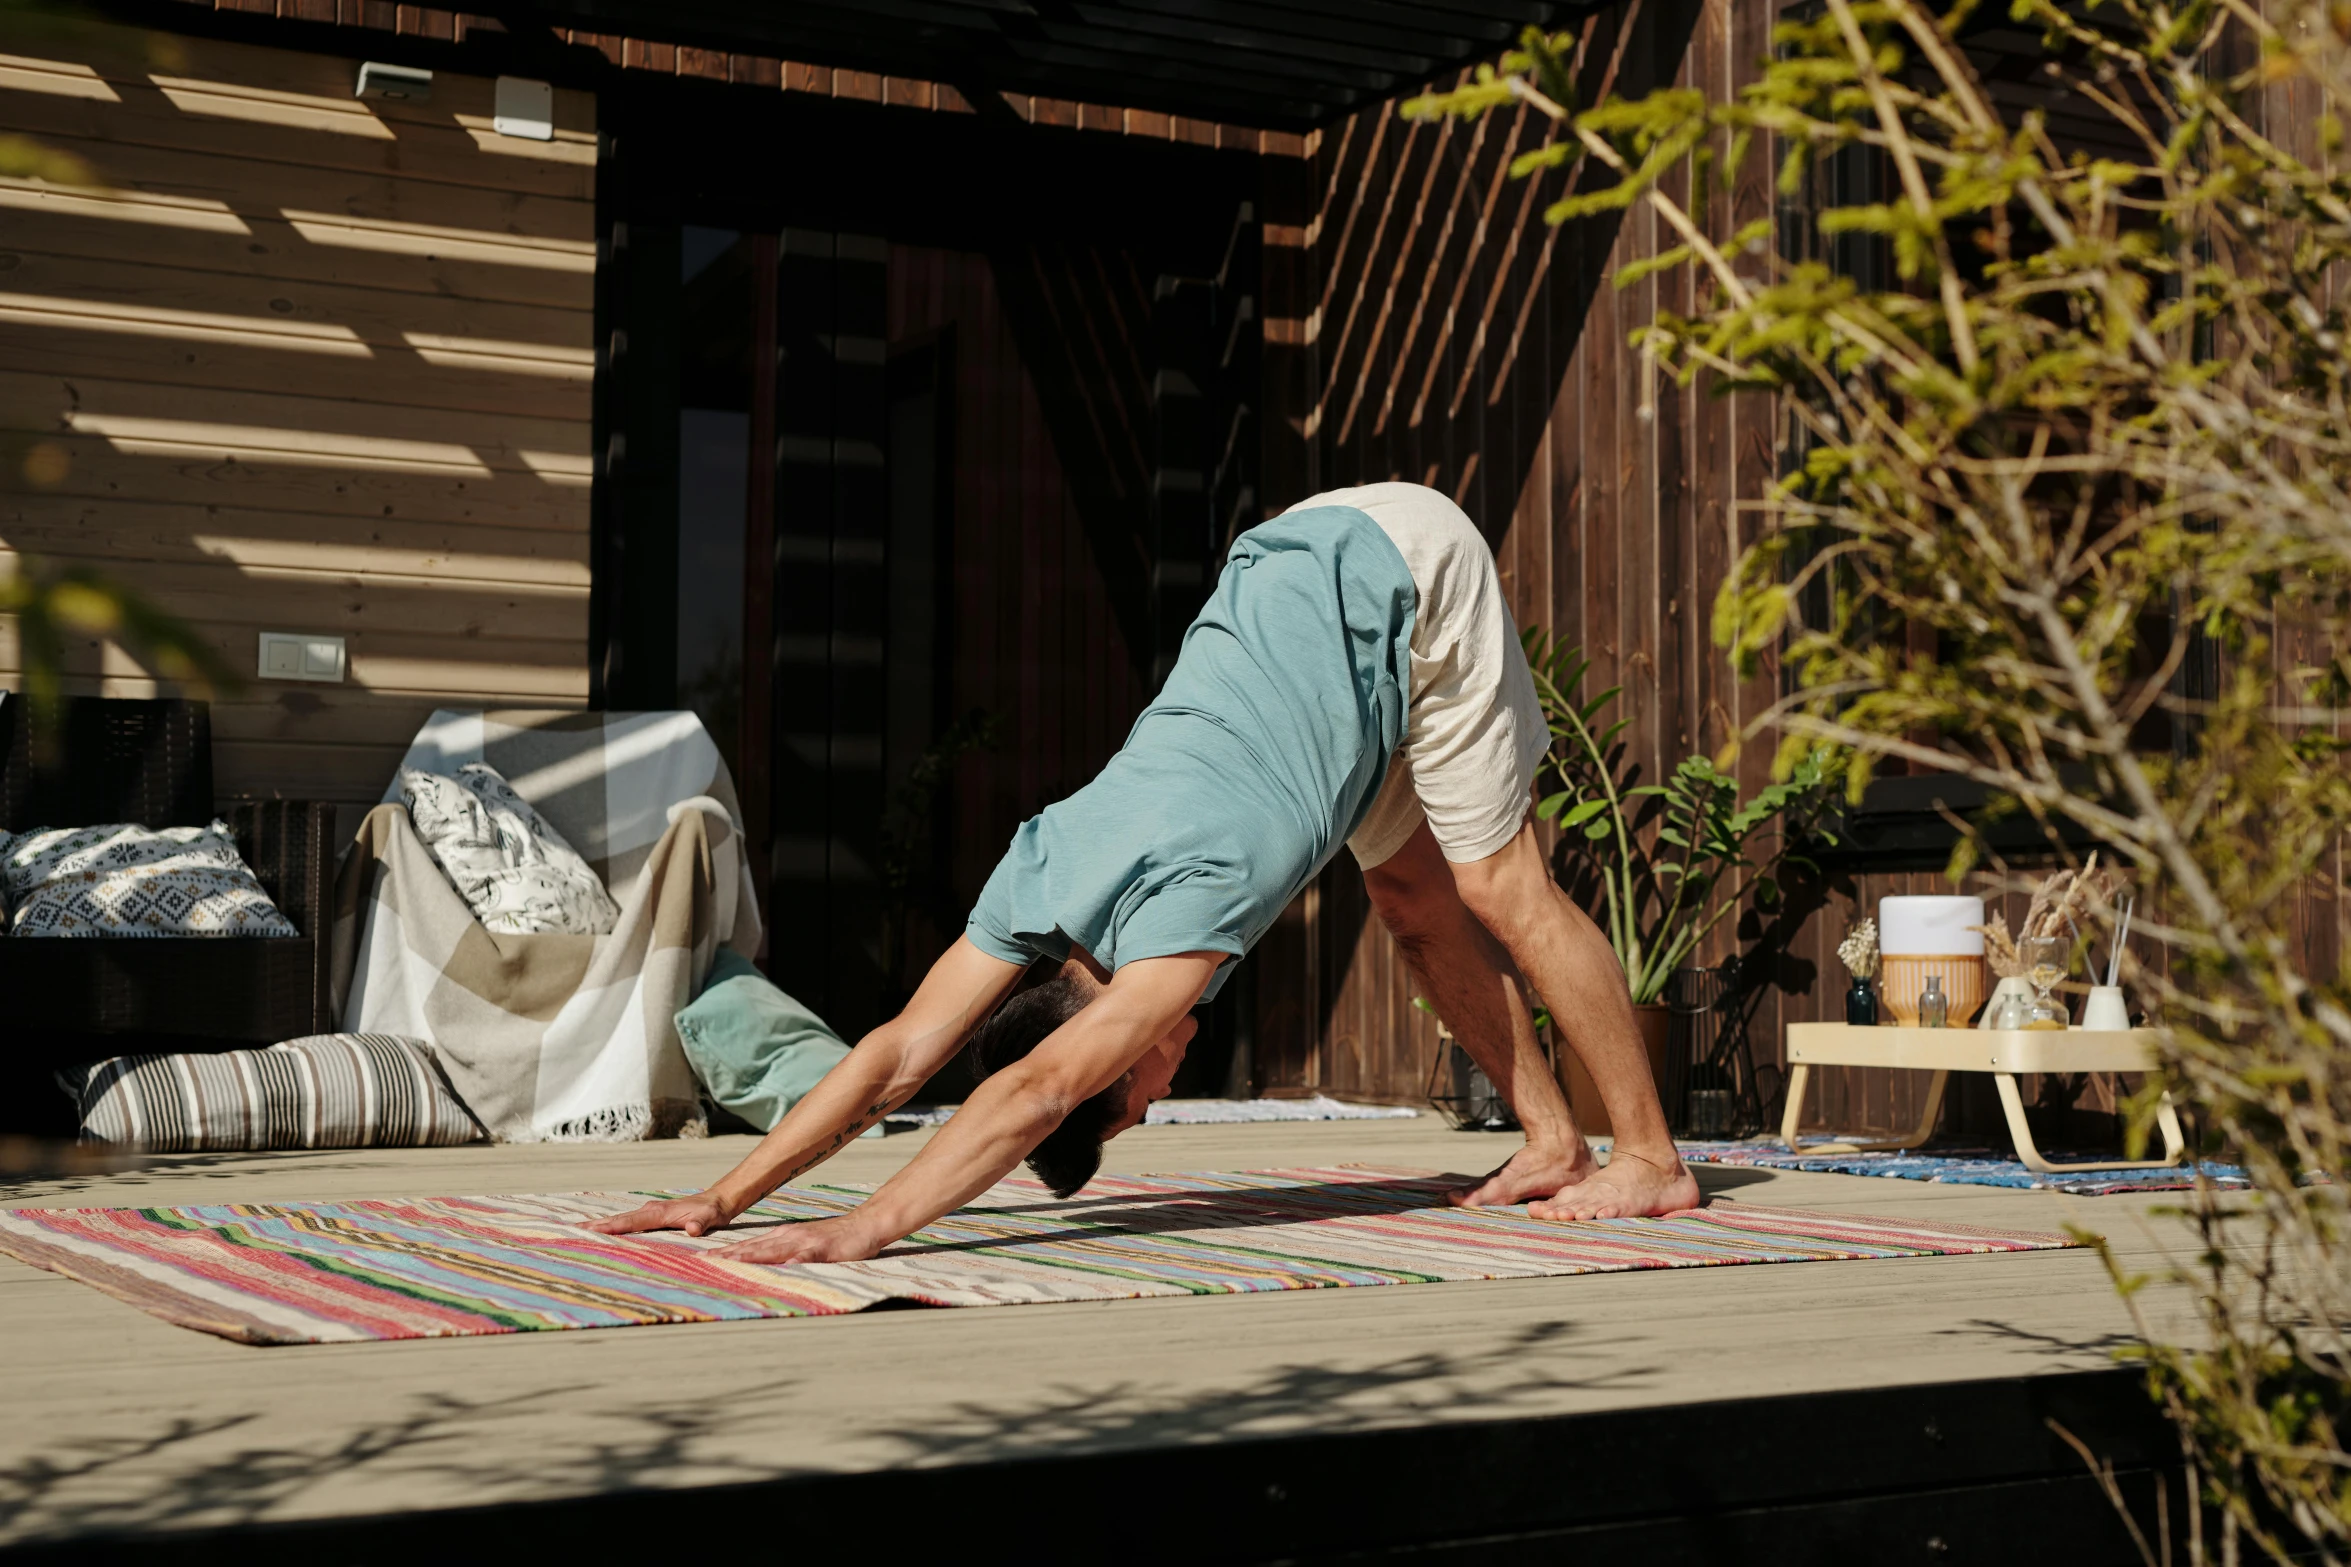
(321, 1272)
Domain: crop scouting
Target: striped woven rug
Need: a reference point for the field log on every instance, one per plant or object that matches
(335, 1272)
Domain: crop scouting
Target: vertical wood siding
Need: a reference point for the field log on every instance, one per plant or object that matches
(1036, 636)
(1425, 324)
(307, 363)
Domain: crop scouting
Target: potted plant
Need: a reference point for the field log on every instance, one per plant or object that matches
(1670, 860)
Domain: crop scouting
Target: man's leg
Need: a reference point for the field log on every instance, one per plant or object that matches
(1556, 945)
(1469, 979)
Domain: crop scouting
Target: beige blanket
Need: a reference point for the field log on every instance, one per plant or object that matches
(557, 1038)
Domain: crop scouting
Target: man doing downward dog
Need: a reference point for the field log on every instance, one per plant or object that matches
(1355, 678)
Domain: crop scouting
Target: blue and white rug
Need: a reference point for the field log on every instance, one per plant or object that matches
(1965, 1167)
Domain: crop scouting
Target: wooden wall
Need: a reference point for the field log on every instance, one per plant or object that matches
(1424, 324)
(1036, 638)
(307, 363)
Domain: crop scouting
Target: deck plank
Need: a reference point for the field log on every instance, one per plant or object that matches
(127, 1422)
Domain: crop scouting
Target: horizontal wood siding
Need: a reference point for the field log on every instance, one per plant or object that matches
(303, 362)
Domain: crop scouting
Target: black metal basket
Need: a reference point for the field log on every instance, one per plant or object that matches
(1463, 1094)
(1712, 1089)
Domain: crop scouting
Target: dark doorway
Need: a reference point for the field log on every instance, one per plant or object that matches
(918, 462)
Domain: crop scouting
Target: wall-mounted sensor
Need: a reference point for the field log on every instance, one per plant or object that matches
(378, 80)
(524, 108)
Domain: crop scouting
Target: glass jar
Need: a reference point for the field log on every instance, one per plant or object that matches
(2012, 1007)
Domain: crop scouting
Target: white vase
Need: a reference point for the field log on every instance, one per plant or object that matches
(2106, 1010)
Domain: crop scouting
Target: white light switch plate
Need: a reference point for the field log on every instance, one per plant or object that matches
(298, 655)
(524, 108)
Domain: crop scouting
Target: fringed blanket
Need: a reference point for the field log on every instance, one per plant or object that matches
(557, 1038)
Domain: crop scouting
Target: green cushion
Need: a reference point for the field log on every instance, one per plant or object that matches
(757, 1050)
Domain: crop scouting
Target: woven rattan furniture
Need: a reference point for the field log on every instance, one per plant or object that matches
(2002, 1052)
(150, 762)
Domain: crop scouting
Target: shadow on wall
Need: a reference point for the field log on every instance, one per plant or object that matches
(1433, 328)
(309, 363)
(1425, 324)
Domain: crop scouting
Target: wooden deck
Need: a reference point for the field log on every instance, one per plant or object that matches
(120, 1423)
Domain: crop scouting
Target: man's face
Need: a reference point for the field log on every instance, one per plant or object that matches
(1148, 1079)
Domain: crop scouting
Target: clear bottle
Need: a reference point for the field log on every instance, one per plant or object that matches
(1934, 1008)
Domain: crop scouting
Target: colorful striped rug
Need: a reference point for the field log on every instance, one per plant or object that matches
(335, 1272)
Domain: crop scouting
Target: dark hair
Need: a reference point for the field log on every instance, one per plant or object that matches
(1070, 1154)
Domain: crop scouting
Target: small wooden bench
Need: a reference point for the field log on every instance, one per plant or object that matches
(2002, 1052)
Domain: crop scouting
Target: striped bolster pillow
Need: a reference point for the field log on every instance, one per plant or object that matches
(327, 1091)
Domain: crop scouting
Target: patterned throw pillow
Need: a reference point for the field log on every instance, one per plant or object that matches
(513, 869)
(327, 1091)
(134, 881)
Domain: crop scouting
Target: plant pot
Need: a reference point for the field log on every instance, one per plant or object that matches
(1655, 1021)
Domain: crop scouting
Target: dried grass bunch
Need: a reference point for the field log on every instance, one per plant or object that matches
(2051, 912)
(1859, 950)
(2000, 953)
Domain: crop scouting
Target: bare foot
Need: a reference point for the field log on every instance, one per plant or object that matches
(1628, 1187)
(1530, 1172)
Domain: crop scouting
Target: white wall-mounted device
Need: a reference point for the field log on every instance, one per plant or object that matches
(524, 108)
(378, 80)
(297, 655)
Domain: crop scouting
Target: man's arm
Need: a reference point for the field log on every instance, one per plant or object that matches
(877, 1077)
(1006, 1116)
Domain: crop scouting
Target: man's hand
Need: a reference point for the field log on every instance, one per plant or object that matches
(694, 1215)
(885, 1068)
(811, 1240)
(1009, 1113)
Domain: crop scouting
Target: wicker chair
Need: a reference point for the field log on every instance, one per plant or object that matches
(150, 762)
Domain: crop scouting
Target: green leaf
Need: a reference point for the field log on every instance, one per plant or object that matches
(1551, 804)
(1597, 831)
(1583, 813)
(1585, 712)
